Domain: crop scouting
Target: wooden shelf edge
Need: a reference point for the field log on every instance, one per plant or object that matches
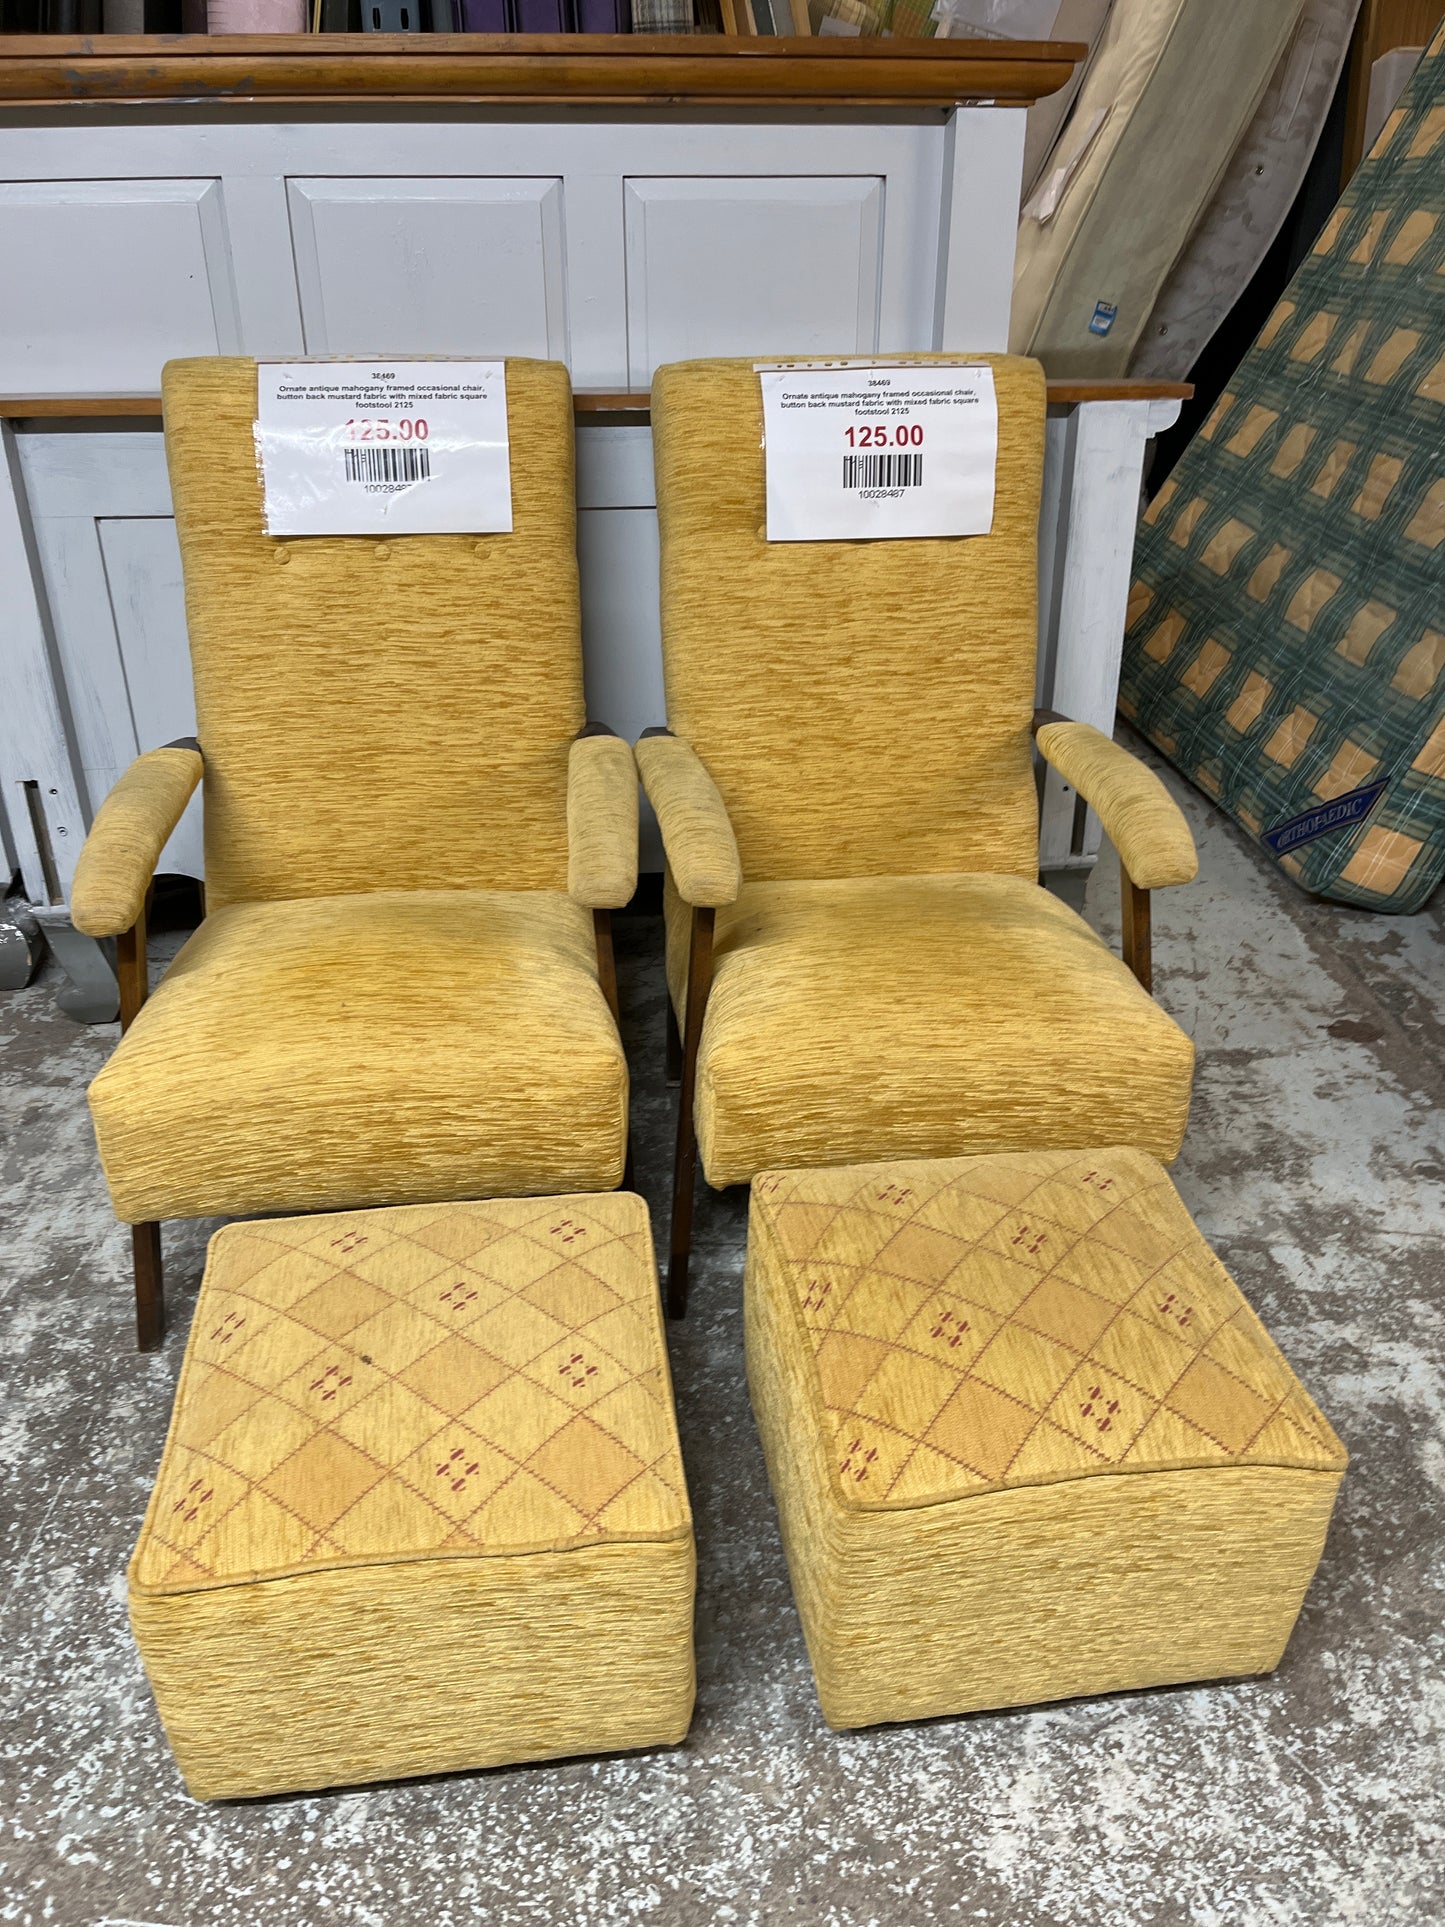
(41, 70)
(585, 401)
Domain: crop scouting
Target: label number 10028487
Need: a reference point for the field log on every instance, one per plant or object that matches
(880, 435)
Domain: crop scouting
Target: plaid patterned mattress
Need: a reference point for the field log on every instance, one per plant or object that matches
(1286, 638)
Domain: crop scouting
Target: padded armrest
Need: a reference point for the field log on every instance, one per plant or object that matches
(702, 851)
(127, 837)
(1140, 817)
(601, 820)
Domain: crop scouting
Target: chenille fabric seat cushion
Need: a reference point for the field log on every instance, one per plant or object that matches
(961, 1014)
(421, 1506)
(398, 1046)
(1026, 1437)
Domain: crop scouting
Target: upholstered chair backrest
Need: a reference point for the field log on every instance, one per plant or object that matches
(863, 707)
(378, 713)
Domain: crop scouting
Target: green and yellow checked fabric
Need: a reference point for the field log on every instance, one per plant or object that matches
(1285, 644)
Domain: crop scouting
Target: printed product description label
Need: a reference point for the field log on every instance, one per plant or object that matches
(867, 450)
(384, 448)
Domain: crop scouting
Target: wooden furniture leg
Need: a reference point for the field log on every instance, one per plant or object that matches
(607, 977)
(150, 1304)
(130, 970)
(684, 1175)
(1138, 952)
(606, 961)
(674, 1045)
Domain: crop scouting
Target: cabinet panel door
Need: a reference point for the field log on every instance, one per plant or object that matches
(622, 631)
(430, 267)
(109, 569)
(106, 280)
(744, 266)
(147, 599)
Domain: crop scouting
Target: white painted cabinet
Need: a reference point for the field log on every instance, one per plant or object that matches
(99, 509)
(430, 266)
(106, 279)
(747, 266)
(612, 239)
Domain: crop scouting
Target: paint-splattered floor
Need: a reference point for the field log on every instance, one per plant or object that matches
(1314, 1162)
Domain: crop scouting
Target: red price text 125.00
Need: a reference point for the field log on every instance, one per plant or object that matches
(408, 429)
(905, 435)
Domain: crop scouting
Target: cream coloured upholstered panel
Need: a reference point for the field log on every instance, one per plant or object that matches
(1170, 89)
(378, 714)
(863, 707)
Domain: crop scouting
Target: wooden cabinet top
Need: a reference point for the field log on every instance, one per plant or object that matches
(529, 70)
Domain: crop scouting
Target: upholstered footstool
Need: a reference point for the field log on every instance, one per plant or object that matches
(421, 1506)
(1027, 1439)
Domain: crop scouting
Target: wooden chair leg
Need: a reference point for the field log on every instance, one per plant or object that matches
(130, 971)
(606, 961)
(150, 1303)
(607, 977)
(1137, 945)
(674, 1045)
(684, 1174)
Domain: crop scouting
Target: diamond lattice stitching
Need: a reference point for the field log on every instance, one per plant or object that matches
(477, 1377)
(1010, 1320)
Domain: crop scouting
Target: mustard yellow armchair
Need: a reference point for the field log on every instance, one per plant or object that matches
(402, 991)
(860, 956)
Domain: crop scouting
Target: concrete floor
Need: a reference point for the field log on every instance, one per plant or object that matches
(1314, 1162)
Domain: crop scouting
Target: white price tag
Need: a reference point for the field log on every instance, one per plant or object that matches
(868, 450)
(384, 448)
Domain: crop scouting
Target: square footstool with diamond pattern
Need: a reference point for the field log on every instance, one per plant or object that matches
(421, 1506)
(1026, 1438)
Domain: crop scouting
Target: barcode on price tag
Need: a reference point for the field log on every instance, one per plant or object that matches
(882, 471)
(871, 450)
(401, 447)
(401, 466)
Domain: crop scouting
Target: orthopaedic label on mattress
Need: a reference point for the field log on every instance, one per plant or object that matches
(868, 450)
(384, 448)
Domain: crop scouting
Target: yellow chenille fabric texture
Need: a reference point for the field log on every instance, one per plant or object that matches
(702, 852)
(1026, 1437)
(392, 998)
(601, 822)
(1140, 817)
(421, 1506)
(373, 712)
(398, 1047)
(922, 1016)
(126, 839)
(863, 707)
(890, 981)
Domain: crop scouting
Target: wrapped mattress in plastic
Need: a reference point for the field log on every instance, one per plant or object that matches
(1171, 88)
